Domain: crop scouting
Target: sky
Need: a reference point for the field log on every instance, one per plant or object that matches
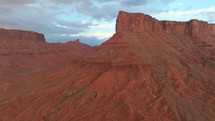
(93, 21)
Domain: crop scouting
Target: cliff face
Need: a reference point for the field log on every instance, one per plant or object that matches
(138, 22)
(21, 35)
(142, 73)
(27, 50)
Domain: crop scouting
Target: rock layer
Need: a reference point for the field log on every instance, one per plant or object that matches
(27, 51)
(21, 35)
(138, 22)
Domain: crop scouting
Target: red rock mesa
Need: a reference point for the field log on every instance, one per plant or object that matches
(149, 70)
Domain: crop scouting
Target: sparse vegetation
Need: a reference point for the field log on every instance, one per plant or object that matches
(45, 118)
(94, 95)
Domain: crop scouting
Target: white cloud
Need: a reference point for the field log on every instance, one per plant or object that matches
(99, 35)
(185, 12)
(182, 13)
(103, 26)
(180, 4)
(211, 16)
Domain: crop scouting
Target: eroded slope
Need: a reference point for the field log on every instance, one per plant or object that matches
(135, 75)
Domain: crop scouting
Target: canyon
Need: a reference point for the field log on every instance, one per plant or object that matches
(150, 70)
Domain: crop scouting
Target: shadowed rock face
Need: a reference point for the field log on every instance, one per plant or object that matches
(149, 70)
(138, 22)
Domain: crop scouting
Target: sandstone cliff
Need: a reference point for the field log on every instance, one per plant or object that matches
(138, 22)
(21, 35)
(27, 51)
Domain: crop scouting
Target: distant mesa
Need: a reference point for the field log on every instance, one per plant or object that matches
(11, 34)
(77, 40)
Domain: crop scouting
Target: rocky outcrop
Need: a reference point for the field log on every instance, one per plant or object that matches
(13, 35)
(138, 22)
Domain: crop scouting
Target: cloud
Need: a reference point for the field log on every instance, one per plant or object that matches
(134, 2)
(72, 24)
(93, 41)
(199, 13)
(105, 0)
(16, 1)
(211, 17)
(180, 4)
(99, 35)
(106, 11)
(35, 17)
(103, 26)
(166, 1)
(144, 2)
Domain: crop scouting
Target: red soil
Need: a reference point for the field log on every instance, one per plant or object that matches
(140, 74)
